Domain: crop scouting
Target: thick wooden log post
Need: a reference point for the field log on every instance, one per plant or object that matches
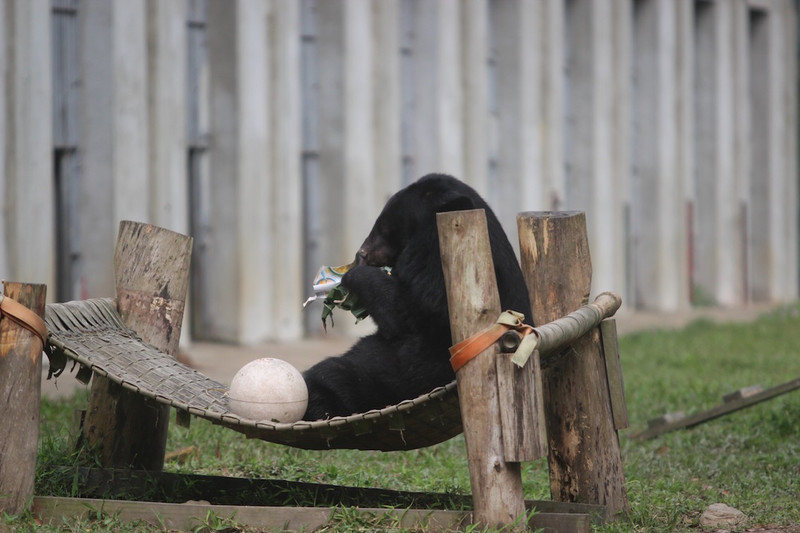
(584, 457)
(20, 395)
(151, 268)
(474, 304)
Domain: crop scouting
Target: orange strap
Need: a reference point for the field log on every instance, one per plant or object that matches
(22, 316)
(469, 348)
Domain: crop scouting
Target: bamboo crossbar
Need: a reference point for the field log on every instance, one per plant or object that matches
(562, 332)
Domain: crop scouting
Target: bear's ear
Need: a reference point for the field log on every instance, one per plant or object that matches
(461, 203)
(453, 201)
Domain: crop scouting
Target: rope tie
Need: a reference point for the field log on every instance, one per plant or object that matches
(469, 348)
(22, 316)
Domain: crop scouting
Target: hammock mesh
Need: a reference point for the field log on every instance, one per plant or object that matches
(91, 333)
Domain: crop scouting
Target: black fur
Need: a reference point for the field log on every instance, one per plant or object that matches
(408, 355)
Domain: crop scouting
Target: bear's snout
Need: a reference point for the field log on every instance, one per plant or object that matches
(375, 251)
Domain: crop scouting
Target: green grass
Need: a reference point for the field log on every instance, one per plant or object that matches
(749, 460)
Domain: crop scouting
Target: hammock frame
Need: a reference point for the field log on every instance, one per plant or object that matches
(105, 338)
(91, 333)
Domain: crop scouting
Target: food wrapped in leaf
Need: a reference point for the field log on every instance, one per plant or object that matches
(327, 283)
(327, 279)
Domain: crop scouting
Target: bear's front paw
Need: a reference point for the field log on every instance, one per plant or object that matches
(362, 278)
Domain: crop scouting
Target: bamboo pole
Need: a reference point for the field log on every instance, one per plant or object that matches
(466, 255)
(20, 396)
(151, 267)
(585, 460)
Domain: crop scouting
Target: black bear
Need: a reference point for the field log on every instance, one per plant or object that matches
(408, 354)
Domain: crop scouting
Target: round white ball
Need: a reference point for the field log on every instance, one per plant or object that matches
(268, 389)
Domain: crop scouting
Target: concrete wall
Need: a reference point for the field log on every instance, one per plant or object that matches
(27, 243)
(254, 254)
(771, 190)
(673, 124)
(661, 154)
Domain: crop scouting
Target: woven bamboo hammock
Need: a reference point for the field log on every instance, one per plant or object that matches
(92, 334)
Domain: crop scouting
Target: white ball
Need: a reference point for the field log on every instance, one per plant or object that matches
(268, 389)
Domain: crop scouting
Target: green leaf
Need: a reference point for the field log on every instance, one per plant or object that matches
(344, 299)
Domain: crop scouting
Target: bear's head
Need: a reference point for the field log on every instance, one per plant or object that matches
(411, 211)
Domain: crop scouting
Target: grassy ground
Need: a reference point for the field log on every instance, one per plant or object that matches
(749, 460)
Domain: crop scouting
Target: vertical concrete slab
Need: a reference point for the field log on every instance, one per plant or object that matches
(734, 237)
(334, 246)
(686, 135)
(96, 225)
(761, 263)
(408, 107)
(168, 105)
(773, 182)
(425, 136)
(28, 142)
(591, 183)
(475, 56)
(223, 248)
(553, 46)
(519, 182)
(130, 144)
(658, 204)
(386, 99)
(338, 247)
(741, 141)
(313, 222)
(254, 195)
(703, 187)
(606, 215)
(621, 139)
(791, 197)
(359, 165)
(240, 268)
(346, 184)
(579, 103)
(286, 218)
(449, 91)
(167, 52)
(114, 132)
(4, 49)
(438, 95)
(718, 265)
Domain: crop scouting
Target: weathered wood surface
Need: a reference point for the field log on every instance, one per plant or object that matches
(20, 391)
(561, 522)
(744, 392)
(608, 332)
(584, 453)
(416, 510)
(151, 267)
(188, 516)
(732, 403)
(475, 305)
(521, 408)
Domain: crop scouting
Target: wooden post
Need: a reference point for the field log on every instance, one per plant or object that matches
(585, 460)
(20, 395)
(474, 305)
(151, 268)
